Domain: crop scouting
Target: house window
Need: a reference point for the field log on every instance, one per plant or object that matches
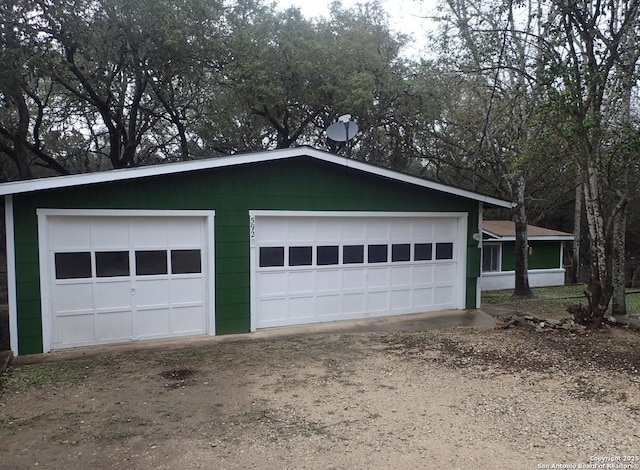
(490, 258)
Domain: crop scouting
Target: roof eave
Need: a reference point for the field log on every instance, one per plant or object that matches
(60, 182)
(551, 238)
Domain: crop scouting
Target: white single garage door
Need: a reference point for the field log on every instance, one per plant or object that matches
(116, 279)
(312, 268)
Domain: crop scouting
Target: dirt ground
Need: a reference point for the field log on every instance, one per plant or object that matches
(461, 398)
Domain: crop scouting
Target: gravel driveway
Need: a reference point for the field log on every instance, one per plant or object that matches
(456, 398)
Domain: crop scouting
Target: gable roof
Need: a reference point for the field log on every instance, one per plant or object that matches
(68, 181)
(505, 230)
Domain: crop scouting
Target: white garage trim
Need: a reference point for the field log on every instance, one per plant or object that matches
(44, 217)
(460, 243)
(11, 273)
(479, 240)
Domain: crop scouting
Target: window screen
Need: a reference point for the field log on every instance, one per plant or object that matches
(352, 254)
(300, 255)
(73, 265)
(422, 252)
(377, 253)
(112, 263)
(271, 256)
(327, 255)
(401, 252)
(185, 262)
(151, 262)
(444, 250)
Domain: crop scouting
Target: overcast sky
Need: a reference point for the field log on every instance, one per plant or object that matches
(406, 16)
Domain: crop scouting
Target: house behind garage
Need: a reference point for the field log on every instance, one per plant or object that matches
(231, 245)
(545, 255)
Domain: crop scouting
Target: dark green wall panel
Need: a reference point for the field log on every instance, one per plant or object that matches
(544, 255)
(293, 184)
(508, 256)
(470, 294)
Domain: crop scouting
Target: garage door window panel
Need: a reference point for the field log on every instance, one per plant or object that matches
(444, 251)
(152, 262)
(186, 262)
(112, 263)
(327, 255)
(422, 252)
(271, 256)
(377, 253)
(401, 252)
(300, 255)
(353, 254)
(75, 265)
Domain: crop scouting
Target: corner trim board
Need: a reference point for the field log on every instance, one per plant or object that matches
(11, 273)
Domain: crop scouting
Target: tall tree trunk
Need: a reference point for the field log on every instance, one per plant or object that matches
(618, 259)
(522, 288)
(618, 255)
(600, 288)
(576, 275)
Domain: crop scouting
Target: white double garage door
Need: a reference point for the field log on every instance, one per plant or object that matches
(315, 267)
(117, 276)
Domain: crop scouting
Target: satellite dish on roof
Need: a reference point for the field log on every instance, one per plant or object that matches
(343, 130)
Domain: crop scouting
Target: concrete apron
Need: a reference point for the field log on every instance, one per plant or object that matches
(392, 324)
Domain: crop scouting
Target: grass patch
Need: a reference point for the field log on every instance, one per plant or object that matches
(553, 300)
(572, 292)
(547, 302)
(633, 301)
(113, 435)
(182, 357)
(40, 375)
(30, 421)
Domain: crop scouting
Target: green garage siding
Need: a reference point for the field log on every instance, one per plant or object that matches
(287, 184)
(543, 255)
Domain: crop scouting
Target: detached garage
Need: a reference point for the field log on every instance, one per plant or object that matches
(232, 244)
